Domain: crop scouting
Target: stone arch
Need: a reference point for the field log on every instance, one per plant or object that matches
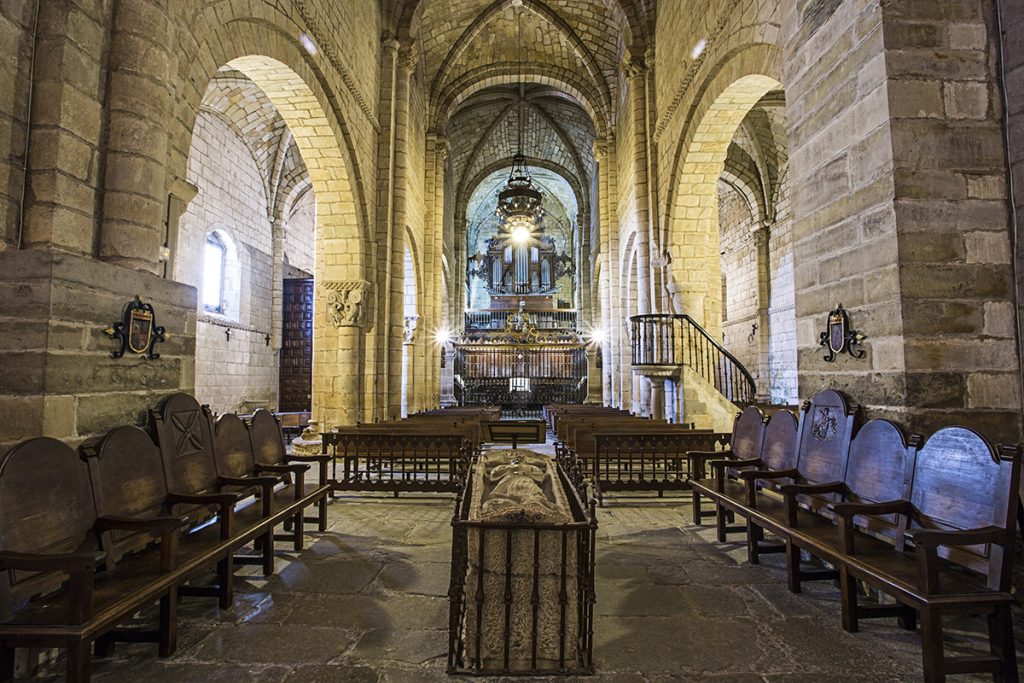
(303, 95)
(636, 29)
(444, 105)
(693, 206)
(543, 10)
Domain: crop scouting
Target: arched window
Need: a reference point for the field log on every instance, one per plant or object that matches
(214, 258)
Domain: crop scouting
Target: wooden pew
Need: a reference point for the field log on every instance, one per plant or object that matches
(745, 444)
(268, 447)
(649, 460)
(51, 535)
(397, 461)
(960, 515)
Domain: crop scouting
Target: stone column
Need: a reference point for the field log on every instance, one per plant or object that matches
(409, 365)
(277, 230)
(139, 97)
(764, 300)
(609, 230)
(396, 318)
(636, 70)
(337, 387)
(658, 398)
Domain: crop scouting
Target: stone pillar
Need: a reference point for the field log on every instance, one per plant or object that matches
(636, 70)
(764, 300)
(337, 383)
(277, 231)
(66, 127)
(657, 406)
(399, 218)
(610, 313)
(139, 97)
(409, 365)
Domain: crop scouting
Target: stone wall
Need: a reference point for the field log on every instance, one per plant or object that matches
(235, 368)
(1013, 53)
(57, 376)
(739, 278)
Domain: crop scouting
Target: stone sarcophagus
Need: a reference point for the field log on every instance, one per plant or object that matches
(522, 586)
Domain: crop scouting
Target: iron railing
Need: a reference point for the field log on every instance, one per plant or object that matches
(520, 377)
(676, 340)
(496, 319)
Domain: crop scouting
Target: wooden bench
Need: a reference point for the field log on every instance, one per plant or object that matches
(647, 460)
(62, 519)
(397, 462)
(745, 444)
(906, 520)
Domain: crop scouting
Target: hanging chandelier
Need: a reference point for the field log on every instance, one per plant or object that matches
(519, 211)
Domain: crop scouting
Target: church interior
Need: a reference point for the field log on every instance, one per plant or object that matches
(399, 340)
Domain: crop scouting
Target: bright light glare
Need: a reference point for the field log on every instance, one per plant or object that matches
(521, 234)
(699, 48)
(307, 43)
(598, 335)
(442, 335)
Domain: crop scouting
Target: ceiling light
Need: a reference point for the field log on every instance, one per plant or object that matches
(699, 48)
(521, 235)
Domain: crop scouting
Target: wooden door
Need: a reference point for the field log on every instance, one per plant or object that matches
(297, 346)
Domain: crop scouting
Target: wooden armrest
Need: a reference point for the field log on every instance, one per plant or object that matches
(932, 538)
(72, 563)
(724, 455)
(928, 541)
(284, 469)
(170, 523)
(264, 482)
(310, 458)
(225, 501)
(789, 490)
(718, 465)
(886, 508)
(752, 475)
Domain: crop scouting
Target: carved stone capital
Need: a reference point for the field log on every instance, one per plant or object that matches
(662, 260)
(442, 148)
(408, 55)
(348, 302)
(409, 331)
(635, 67)
(761, 235)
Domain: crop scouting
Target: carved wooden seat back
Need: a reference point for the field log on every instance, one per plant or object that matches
(961, 482)
(129, 481)
(879, 468)
(233, 454)
(748, 434)
(183, 430)
(46, 506)
(267, 441)
(826, 427)
(778, 445)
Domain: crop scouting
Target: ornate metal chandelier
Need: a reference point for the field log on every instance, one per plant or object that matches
(519, 211)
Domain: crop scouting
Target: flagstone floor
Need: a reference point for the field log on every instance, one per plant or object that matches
(366, 602)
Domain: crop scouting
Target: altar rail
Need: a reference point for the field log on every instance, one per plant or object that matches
(496, 319)
(677, 341)
(574, 556)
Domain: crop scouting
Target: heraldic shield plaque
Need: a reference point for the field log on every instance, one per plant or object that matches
(137, 330)
(838, 336)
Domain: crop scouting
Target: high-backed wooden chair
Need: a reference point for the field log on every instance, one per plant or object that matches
(48, 539)
(778, 453)
(826, 427)
(268, 448)
(237, 468)
(961, 511)
(131, 487)
(745, 445)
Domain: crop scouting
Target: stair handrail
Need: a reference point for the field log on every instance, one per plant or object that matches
(741, 395)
